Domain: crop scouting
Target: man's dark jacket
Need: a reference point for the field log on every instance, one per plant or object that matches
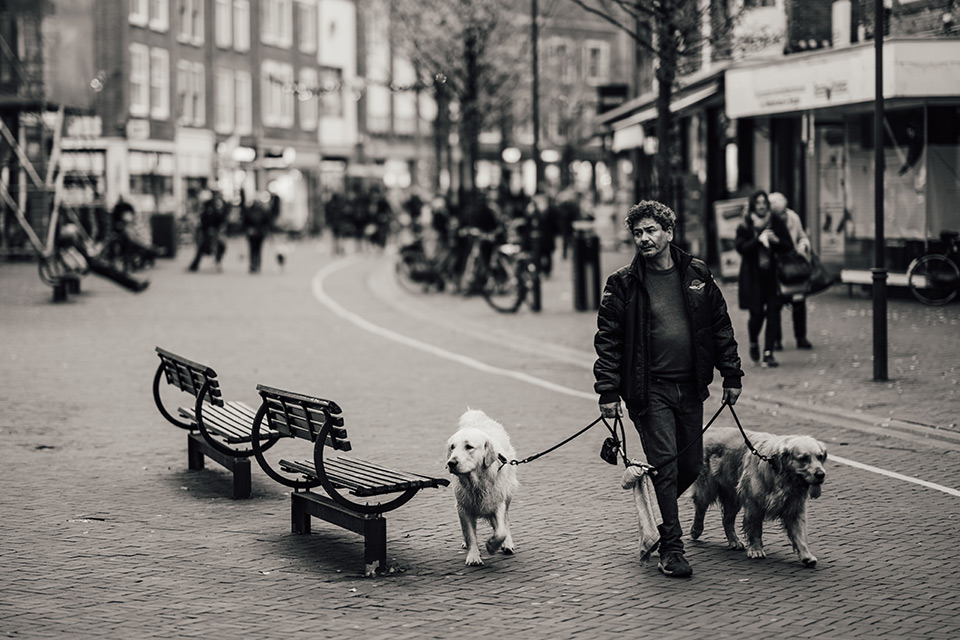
(622, 369)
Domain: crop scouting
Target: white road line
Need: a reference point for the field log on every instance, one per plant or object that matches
(323, 298)
(894, 474)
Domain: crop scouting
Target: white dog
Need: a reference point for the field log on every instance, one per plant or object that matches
(734, 477)
(484, 485)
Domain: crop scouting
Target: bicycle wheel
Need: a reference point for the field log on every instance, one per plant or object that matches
(504, 289)
(417, 274)
(933, 279)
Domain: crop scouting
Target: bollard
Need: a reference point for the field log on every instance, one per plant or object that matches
(586, 267)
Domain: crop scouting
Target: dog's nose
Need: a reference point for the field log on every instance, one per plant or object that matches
(819, 474)
(452, 463)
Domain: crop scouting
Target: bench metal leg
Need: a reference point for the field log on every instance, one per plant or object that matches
(60, 291)
(73, 285)
(194, 454)
(197, 449)
(373, 527)
(375, 546)
(241, 479)
(299, 516)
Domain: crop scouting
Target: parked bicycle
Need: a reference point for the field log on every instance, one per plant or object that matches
(420, 273)
(508, 278)
(934, 278)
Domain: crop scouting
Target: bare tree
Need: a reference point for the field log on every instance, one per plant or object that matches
(467, 50)
(670, 30)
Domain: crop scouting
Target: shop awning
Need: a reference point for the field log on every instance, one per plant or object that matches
(912, 68)
(626, 121)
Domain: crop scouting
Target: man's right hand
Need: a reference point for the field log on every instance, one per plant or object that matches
(610, 410)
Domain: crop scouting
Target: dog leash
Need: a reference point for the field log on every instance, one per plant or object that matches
(621, 448)
(771, 461)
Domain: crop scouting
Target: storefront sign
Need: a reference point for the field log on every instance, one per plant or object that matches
(831, 78)
(138, 129)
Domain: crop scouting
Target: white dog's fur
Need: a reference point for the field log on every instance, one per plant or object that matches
(734, 477)
(484, 486)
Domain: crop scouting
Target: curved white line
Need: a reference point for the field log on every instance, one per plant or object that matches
(321, 295)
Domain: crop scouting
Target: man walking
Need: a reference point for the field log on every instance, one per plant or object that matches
(662, 328)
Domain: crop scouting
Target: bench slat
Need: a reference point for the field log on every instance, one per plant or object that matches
(300, 429)
(233, 422)
(343, 473)
(362, 468)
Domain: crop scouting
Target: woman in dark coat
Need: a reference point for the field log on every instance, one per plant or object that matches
(760, 238)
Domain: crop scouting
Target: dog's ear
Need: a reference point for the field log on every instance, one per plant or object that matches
(489, 455)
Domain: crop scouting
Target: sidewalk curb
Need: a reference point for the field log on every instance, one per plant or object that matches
(860, 421)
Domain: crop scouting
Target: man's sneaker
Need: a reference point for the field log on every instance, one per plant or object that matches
(803, 343)
(673, 564)
(769, 360)
(755, 352)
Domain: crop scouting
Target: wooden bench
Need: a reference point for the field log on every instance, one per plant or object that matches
(358, 492)
(217, 429)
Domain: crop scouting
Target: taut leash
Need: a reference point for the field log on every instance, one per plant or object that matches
(621, 444)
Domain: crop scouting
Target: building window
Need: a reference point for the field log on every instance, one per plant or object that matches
(223, 18)
(308, 99)
(308, 23)
(159, 84)
(191, 21)
(199, 95)
(159, 15)
(596, 61)
(276, 28)
(185, 92)
(277, 94)
(139, 13)
(243, 86)
(560, 61)
(139, 80)
(224, 104)
(331, 92)
(241, 25)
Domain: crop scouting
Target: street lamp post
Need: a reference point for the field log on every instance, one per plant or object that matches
(535, 301)
(879, 270)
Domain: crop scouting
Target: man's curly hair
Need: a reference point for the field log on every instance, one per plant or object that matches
(661, 214)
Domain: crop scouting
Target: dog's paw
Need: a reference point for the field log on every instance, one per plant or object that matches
(755, 552)
(695, 532)
(474, 559)
(494, 543)
(809, 561)
(736, 544)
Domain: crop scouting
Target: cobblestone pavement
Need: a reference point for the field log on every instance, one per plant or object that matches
(108, 535)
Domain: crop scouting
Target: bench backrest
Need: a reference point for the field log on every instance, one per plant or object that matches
(300, 416)
(190, 376)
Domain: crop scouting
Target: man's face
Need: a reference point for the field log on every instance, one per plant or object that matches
(650, 238)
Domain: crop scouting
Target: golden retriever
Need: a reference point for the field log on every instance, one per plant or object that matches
(484, 485)
(734, 477)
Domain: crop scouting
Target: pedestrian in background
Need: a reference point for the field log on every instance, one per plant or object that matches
(213, 215)
(662, 328)
(801, 242)
(257, 220)
(760, 237)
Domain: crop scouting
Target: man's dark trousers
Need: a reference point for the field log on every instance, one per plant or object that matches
(672, 420)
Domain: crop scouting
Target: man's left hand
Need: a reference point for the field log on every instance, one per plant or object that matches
(730, 395)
